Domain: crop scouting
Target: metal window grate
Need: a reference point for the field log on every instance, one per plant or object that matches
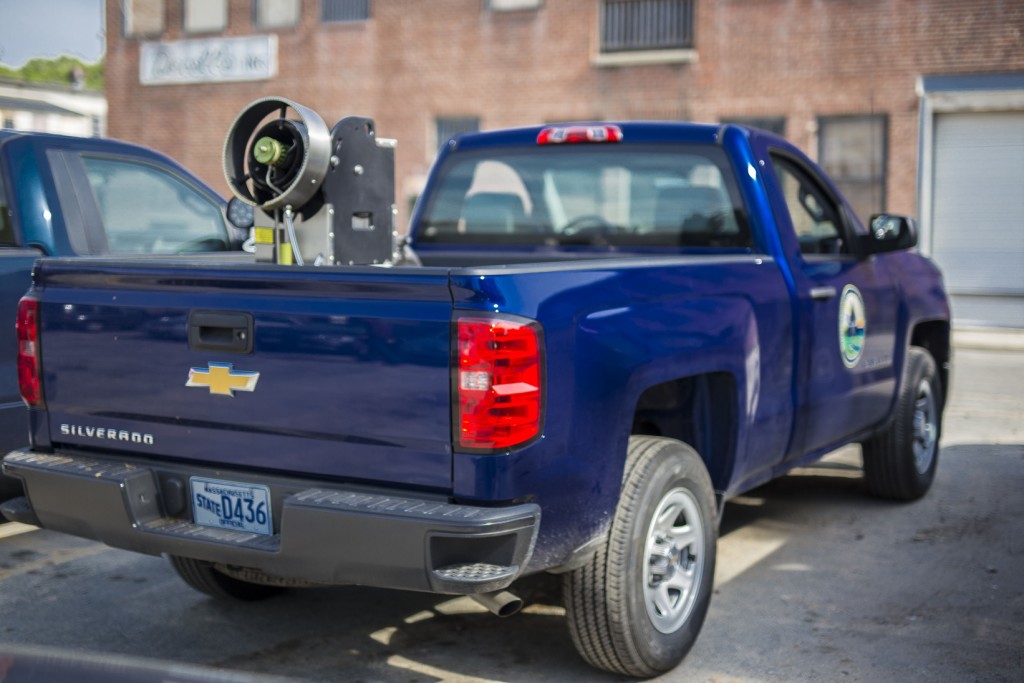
(853, 151)
(772, 124)
(646, 25)
(344, 10)
(453, 125)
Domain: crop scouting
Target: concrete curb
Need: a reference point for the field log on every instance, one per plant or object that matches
(989, 339)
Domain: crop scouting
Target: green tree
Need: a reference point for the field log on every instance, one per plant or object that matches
(56, 71)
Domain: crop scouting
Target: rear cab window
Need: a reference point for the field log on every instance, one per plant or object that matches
(667, 196)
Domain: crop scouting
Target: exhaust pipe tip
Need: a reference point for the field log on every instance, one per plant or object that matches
(499, 603)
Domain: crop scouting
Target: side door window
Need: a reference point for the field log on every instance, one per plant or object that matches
(817, 219)
(144, 209)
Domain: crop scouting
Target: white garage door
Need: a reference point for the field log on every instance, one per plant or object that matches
(978, 215)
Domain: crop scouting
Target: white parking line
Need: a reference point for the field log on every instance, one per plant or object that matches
(15, 529)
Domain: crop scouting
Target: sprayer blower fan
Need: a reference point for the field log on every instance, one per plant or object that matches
(273, 162)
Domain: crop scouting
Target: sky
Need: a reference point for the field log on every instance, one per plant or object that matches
(50, 28)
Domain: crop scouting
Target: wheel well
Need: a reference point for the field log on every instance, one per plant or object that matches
(699, 411)
(933, 336)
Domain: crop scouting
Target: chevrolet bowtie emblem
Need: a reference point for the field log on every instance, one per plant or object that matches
(222, 379)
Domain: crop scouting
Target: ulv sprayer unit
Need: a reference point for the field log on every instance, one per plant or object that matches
(323, 197)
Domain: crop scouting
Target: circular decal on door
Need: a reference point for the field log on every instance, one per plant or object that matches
(852, 325)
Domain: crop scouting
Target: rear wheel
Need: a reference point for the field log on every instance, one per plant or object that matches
(205, 578)
(637, 606)
(900, 461)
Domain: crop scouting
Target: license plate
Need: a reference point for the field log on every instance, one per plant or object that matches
(231, 505)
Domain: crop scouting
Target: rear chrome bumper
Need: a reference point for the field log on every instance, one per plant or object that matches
(323, 533)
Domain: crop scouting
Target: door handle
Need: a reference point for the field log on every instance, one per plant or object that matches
(822, 293)
(220, 331)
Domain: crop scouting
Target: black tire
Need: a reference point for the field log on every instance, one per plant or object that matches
(612, 601)
(900, 461)
(204, 577)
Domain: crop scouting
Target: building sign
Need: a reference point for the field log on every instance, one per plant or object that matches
(216, 60)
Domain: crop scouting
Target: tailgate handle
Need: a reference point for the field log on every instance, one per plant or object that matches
(220, 331)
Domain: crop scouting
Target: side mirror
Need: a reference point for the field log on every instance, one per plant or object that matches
(889, 232)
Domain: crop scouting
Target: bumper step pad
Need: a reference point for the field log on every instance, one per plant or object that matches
(477, 572)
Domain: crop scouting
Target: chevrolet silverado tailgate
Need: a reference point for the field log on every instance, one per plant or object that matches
(335, 373)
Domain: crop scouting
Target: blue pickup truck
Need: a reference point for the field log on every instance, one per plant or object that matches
(608, 331)
(70, 196)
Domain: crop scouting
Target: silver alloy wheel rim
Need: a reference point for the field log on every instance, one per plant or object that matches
(673, 560)
(925, 427)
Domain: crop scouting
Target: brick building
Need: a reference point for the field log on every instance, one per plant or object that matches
(899, 100)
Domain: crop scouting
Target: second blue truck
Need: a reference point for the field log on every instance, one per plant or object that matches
(604, 333)
(76, 197)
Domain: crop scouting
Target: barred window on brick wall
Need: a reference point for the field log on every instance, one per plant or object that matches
(447, 126)
(646, 25)
(143, 17)
(205, 16)
(344, 10)
(852, 150)
(277, 13)
(772, 124)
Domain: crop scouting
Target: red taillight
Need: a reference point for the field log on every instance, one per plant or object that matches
(498, 383)
(29, 381)
(557, 135)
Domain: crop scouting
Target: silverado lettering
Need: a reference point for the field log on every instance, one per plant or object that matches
(106, 433)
